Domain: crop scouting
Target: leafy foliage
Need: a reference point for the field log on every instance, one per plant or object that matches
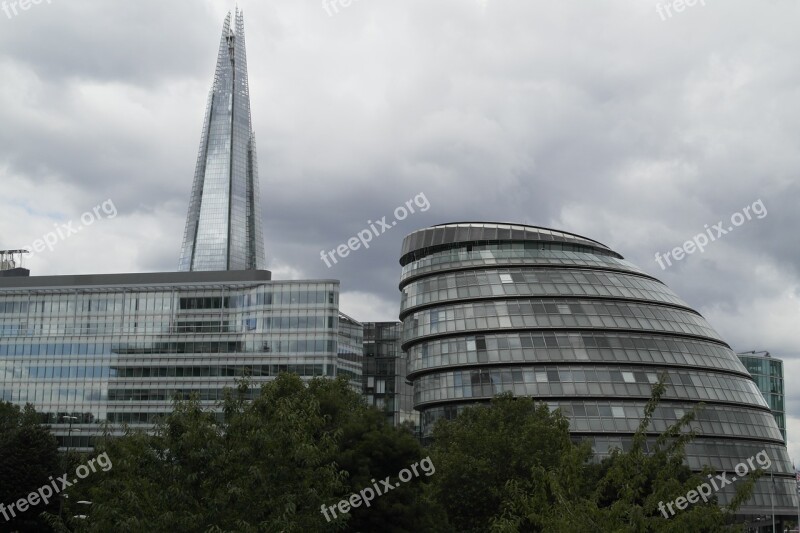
(271, 463)
(502, 455)
(28, 457)
(512, 467)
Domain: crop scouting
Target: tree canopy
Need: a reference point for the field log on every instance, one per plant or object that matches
(274, 462)
(267, 464)
(28, 457)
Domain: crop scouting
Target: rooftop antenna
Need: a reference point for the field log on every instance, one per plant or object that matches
(754, 352)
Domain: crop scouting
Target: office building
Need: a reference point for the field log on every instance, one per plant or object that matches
(118, 348)
(384, 374)
(350, 350)
(223, 226)
(489, 308)
(767, 372)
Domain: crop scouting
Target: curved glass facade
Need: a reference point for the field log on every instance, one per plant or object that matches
(490, 308)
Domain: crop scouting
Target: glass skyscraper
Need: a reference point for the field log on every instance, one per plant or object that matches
(223, 226)
(118, 348)
(767, 372)
(489, 308)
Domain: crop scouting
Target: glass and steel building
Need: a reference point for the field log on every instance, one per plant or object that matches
(118, 348)
(384, 373)
(767, 372)
(223, 226)
(351, 349)
(95, 349)
(489, 308)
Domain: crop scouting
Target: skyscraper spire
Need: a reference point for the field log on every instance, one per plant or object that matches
(223, 226)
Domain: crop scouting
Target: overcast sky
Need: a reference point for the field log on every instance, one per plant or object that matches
(607, 119)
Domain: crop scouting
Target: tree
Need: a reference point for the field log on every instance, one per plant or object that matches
(369, 448)
(28, 457)
(512, 467)
(489, 453)
(629, 489)
(261, 469)
(266, 464)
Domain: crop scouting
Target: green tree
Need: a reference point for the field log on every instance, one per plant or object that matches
(512, 467)
(628, 487)
(490, 454)
(267, 464)
(28, 457)
(369, 448)
(266, 467)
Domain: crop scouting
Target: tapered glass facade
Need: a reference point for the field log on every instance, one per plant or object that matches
(223, 226)
(118, 348)
(489, 308)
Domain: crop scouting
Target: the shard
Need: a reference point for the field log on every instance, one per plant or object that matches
(223, 226)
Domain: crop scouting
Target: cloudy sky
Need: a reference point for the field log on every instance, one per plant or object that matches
(608, 119)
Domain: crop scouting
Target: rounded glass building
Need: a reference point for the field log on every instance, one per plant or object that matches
(491, 307)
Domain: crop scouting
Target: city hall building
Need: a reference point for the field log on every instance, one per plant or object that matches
(490, 308)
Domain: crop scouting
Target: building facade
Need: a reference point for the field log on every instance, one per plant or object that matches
(223, 225)
(384, 374)
(489, 308)
(350, 350)
(767, 372)
(118, 348)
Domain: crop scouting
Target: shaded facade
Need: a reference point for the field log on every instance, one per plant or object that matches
(223, 225)
(384, 373)
(767, 372)
(118, 348)
(489, 308)
(350, 350)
